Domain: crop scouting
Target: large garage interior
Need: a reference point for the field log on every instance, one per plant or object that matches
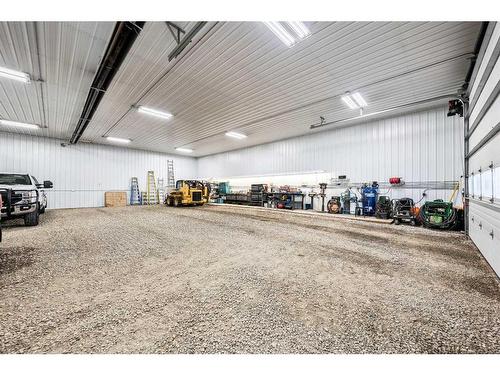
(249, 187)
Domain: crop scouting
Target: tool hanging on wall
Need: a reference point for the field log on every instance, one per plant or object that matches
(135, 194)
(151, 192)
(397, 181)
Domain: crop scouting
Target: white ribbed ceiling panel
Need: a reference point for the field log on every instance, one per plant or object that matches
(62, 58)
(239, 76)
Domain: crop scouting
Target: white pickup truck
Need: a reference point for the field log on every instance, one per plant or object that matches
(23, 197)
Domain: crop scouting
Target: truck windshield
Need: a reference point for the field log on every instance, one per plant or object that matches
(14, 179)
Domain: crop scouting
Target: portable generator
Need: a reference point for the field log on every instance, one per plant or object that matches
(403, 211)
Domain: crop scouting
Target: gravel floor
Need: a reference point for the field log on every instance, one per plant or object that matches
(240, 280)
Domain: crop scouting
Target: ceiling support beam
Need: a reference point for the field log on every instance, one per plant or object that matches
(178, 31)
(122, 39)
(384, 111)
(182, 44)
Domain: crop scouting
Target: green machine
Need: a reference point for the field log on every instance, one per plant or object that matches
(438, 214)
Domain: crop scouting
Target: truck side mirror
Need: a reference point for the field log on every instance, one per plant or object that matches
(48, 185)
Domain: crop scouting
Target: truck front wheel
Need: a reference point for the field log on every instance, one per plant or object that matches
(31, 219)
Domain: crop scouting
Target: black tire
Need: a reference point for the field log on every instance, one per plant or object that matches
(397, 221)
(176, 203)
(32, 219)
(168, 201)
(42, 210)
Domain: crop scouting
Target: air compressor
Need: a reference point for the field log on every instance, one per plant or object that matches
(369, 196)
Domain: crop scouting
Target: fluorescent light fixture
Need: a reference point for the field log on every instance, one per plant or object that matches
(299, 28)
(354, 101)
(359, 99)
(236, 135)
(350, 103)
(15, 75)
(118, 140)
(19, 124)
(154, 112)
(186, 150)
(281, 33)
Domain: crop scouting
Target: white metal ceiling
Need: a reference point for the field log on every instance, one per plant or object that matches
(239, 76)
(62, 59)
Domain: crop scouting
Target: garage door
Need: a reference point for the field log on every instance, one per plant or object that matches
(484, 150)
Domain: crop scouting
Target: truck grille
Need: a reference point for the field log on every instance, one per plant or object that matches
(3, 193)
(196, 196)
(14, 197)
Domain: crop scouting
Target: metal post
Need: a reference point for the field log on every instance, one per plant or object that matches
(466, 166)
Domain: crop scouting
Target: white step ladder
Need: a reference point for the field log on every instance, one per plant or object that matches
(170, 174)
(161, 191)
(151, 192)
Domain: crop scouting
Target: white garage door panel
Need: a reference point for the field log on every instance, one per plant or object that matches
(490, 152)
(484, 181)
(495, 37)
(493, 80)
(482, 222)
(489, 121)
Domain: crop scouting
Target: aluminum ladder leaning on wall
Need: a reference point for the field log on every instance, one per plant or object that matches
(170, 174)
(135, 194)
(161, 191)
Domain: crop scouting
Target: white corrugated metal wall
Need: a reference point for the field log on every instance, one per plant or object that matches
(420, 146)
(82, 173)
(484, 143)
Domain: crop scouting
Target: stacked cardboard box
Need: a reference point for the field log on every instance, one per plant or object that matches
(115, 199)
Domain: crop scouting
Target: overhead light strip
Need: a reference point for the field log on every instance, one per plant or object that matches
(354, 101)
(236, 135)
(118, 140)
(15, 75)
(154, 112)
(299, 28)
(281, 33)
(350, 103)
(182, 149)
(359, 99)
(19, 124)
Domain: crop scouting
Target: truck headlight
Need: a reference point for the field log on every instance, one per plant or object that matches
(29, 196)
